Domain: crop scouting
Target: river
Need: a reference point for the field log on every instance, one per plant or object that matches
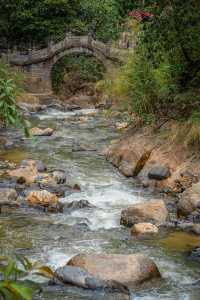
(54, 238)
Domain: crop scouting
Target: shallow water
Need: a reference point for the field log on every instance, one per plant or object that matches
(54, 238)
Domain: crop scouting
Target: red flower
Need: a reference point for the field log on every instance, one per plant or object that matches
(141, 15)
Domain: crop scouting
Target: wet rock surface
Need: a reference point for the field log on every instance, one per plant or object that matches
(81, 278)
(45, 199)
(8, 197)
(41, 132)
(128, 159)
(159, 173)
(194, 255)
(189, 203)
(39, 165)
(137, 268)
(25, 174)
(81, 204)
(59, 177)
(153, 211)
(142, 229)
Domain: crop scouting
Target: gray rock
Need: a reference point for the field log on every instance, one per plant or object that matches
(195, 229)
(79, 205)
(59, 191)
(153, 211)
(195, 255)
(59, 177)
(57, 106)
(189, 203)
(72, 107)
(40, 166)
(8, 197)
(9, 145)
(83, 226)
(8, 194)
(77, 147)
(81, 278)
(159, 173)
(188, 227)
(38, 163)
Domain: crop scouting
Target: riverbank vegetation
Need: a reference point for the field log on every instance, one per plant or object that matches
(11, 86)
(161, 79)
(28, 22)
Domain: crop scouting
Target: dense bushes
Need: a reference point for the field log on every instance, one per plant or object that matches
(11, 85)
(162, 77)
(27, 21)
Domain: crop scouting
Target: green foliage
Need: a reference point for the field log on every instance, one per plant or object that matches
(87, 68)
(8, 109)
(12, 286)
(6, 73)
(13, 273)
(100, 18)
(28, 21)
(9, 89)
(162, 77)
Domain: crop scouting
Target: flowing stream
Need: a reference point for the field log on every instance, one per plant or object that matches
(54, 238)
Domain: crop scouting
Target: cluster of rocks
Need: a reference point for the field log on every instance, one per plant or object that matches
(136, 156)
(150, 163)
(158, 168)
(145, 218)
(32, 184)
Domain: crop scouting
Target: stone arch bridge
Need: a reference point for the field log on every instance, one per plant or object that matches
(37, 64)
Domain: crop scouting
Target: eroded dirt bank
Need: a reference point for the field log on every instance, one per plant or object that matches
(155, 159)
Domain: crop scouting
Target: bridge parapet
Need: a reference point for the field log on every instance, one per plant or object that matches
(38, 63)
(37, 56)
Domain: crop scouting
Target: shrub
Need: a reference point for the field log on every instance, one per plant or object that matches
(162, 76)
(13, 271)
(10, 86)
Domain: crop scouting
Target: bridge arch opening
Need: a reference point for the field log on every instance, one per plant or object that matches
(75, 74)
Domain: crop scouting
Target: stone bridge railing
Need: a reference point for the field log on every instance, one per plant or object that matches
(38, 63)
(70, 42)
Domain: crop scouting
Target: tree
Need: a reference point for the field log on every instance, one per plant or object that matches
(35, 21)
(27, 21)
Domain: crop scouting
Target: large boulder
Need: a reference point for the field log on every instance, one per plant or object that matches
(35, 131)
(128, 157)
(45, 199)
(153, 211)
(189, 202)
(141, 229)
(81, 278)
(128, 270)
